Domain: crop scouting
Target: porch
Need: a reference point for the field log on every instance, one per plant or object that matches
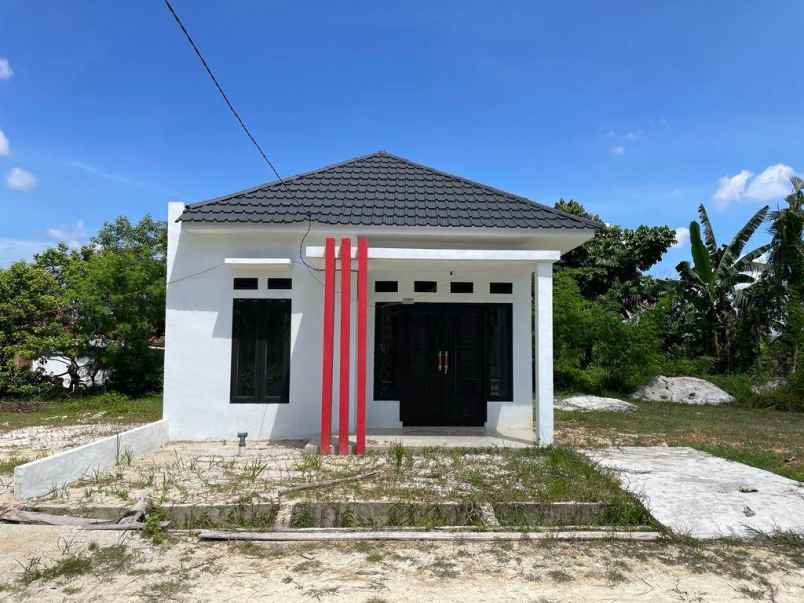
(448, 437)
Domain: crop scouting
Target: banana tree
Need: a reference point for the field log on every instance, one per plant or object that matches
(714, 281)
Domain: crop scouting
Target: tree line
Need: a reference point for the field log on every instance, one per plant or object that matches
(99, 309)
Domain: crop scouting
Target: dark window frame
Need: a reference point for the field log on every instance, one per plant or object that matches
(259, 319)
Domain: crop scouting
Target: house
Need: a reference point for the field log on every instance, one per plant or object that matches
(450, 331)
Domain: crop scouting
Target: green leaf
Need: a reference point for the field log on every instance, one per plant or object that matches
(700, 255)
(709, 233)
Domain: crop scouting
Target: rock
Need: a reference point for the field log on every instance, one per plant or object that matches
(684, 390)
(769, 387)
(311, 448)
(587, 403)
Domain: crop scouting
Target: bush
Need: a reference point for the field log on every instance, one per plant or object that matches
(595, 350)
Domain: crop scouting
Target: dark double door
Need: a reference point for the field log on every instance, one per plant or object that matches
(443, 379)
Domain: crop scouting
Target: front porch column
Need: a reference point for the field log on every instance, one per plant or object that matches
(543, 353)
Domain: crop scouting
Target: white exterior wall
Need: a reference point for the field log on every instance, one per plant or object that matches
(199, 323)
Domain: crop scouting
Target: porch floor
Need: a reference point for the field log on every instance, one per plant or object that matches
(448, 437)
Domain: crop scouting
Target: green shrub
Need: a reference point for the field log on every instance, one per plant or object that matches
(597, 351)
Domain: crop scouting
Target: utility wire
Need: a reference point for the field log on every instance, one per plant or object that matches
(220, 89)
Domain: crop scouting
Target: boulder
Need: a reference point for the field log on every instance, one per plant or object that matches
(683, 390)
(769, 387)
(587, 403)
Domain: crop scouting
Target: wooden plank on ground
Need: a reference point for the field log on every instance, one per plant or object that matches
(319, 536)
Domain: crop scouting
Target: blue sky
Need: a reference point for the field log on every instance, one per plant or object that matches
(640, 110)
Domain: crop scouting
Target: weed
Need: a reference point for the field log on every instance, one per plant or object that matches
(8, 465)
(560, 576)
(153, 529)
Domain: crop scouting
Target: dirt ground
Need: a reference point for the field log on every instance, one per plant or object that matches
(185, 569)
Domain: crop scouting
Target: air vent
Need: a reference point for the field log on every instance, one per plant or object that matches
(501, 288)
(386, 286)
(461, 287)
(425, 286)
(245, 283)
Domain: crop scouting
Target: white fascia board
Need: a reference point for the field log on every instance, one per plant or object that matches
(258, 261)
(452, 255)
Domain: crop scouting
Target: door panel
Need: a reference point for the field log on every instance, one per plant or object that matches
(465, 367)
(442, 381)
(421, 387)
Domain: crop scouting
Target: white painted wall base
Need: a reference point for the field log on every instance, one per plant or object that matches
(37, 478)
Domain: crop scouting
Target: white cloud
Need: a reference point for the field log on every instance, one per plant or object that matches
(72, 234)
(5, 146)
(5, 69)
(617, 150)
(682, 236)
(20, 180)
(634, 135)
(731, 188)
(771, 184)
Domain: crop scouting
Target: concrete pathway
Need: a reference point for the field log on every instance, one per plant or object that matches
(704, 496)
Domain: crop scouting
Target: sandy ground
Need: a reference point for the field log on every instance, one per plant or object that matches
(185, 569)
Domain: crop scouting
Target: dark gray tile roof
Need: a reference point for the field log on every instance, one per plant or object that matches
(382, 189)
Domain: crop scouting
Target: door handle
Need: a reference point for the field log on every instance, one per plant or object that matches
(440, 361)
(446, 362)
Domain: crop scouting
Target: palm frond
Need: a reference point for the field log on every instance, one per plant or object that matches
(709, 233)
(745, 263)
(745, 233)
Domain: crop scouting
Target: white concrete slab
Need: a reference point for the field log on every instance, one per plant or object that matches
(704, 496)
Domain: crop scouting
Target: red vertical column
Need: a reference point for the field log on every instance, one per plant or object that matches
(329, 333)
(346, 280)
(362, 316)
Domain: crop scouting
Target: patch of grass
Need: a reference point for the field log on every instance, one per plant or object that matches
(560, 576)
(153, 529)
(763, 459)
(80, 410)
(95, 559)
(7, 465)
(764, 438)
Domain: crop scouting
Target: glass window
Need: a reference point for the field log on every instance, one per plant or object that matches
(245, 283)
(501, 288)
(386, 286)
(386, 351)
(260, 350)
(499, 352)
(460, 287)
(280, 283)
(425, 286)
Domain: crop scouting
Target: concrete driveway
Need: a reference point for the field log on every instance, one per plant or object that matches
(696, 494)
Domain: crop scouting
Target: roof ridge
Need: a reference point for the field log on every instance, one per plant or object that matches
(514, 197)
